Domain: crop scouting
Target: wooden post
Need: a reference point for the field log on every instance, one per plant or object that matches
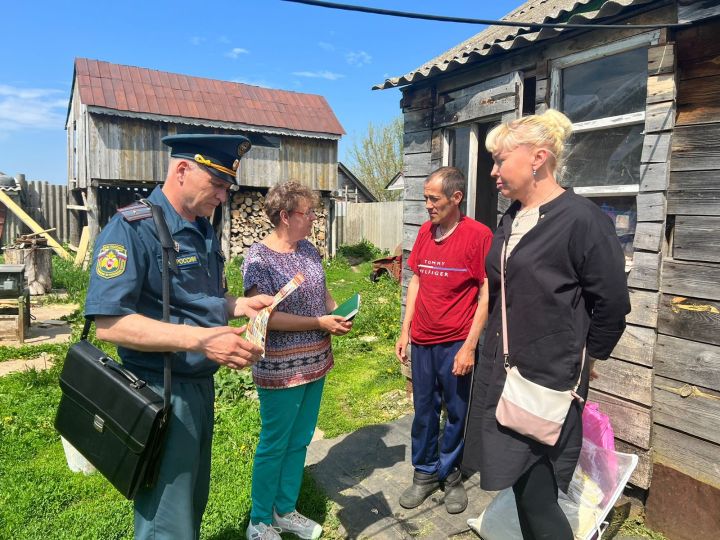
(93, 211)
(21, 319)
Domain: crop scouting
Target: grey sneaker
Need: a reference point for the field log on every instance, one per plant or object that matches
(296, 523)
(261, 531)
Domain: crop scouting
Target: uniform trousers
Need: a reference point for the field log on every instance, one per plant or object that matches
(288, 417)
(173, 508)
(433, 385)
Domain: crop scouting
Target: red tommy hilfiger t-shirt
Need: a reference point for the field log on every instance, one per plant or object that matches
(450, 272)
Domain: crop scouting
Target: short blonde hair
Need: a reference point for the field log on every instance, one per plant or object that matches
(549, 130)
(287, 196)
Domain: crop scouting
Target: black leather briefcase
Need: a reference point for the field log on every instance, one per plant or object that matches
(110, 416)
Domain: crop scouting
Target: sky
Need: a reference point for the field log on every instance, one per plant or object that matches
(271, 43)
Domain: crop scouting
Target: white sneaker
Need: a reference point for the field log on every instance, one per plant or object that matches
(296, 523)
(261, 531)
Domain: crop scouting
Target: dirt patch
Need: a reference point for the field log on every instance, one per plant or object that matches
(13, 366)
(47, 326)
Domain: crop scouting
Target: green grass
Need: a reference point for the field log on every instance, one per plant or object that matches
(41, 499)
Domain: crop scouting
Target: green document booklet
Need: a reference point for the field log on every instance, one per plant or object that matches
(348, 309)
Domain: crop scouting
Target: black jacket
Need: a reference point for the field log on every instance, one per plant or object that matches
(565, 288)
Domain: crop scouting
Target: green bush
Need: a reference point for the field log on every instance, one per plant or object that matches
(361, 252)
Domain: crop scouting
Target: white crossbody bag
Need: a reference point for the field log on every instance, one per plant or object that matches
(526, 407)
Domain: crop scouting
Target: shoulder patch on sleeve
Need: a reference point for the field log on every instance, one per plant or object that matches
(135, 212)
(111, 261)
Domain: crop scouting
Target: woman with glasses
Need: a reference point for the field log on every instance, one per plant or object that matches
(298, 354)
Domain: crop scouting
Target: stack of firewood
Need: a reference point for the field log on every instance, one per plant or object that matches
(32, 240)
(249, 224)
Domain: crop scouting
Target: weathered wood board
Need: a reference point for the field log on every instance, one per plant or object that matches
(696, 457)
(649, 236)
(699, 280)
(624, 380)
(643, 308)
(636, 345)
(697, 238)
(642, 475)
(631, 422)
(697, 414)
(696, 147)
(689, 361)
(691, 318)
(645, 273)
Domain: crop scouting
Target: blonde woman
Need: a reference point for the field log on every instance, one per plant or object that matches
(565, 289)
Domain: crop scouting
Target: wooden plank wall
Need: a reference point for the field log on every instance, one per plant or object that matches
(625, 387)
(422, 153)
(687, 357)
(130, 150)
(46, 203)
(378, 222)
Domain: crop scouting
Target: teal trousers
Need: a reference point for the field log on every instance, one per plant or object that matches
(288, 417)
(172, 509)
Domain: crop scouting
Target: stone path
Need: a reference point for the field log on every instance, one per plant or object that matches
(364, 473)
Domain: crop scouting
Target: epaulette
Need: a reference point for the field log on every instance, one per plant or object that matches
(135, 211)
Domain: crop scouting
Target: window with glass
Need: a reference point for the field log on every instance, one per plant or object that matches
(603, 92)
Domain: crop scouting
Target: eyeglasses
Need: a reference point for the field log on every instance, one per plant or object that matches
(309, 214)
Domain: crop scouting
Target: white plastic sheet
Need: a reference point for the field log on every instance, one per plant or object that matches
(598, 481)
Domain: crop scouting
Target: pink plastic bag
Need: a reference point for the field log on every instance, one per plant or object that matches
(597, 428)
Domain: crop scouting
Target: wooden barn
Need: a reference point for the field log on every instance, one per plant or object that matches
(646, 148)
(118, 114)
(350, 188)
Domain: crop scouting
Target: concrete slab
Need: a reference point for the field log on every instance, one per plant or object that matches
(364, 473)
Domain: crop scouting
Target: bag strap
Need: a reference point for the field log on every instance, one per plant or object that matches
(506, 351)
(169, 262)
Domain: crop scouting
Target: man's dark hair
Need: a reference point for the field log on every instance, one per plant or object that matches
(452, 178)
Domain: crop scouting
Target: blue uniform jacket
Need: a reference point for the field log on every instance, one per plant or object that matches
(126, 278)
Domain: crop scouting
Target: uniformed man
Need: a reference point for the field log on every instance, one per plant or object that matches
(124, 298)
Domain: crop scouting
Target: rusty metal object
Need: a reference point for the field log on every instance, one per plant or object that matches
(682, 507)
(387, 265)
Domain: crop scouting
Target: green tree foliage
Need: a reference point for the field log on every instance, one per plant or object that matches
(378, 157)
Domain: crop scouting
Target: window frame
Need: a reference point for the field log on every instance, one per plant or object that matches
(557, 66)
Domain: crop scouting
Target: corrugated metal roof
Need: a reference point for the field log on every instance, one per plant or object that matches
(141, 90)
(498, 39)
(8, 183)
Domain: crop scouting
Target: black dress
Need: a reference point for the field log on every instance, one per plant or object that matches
(565, 287)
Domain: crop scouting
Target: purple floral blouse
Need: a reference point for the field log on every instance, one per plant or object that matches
(291, 358)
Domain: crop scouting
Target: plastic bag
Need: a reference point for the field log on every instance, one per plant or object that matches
(597, 427)
(75, 460)
(598, 481)
(598, 430)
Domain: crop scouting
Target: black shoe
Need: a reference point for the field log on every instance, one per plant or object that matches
(456, 500)
(422, 487)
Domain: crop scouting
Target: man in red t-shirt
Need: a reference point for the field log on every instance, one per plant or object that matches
(446, 309)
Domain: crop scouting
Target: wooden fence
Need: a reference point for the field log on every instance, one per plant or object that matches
(379, 223)
(44, 202)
